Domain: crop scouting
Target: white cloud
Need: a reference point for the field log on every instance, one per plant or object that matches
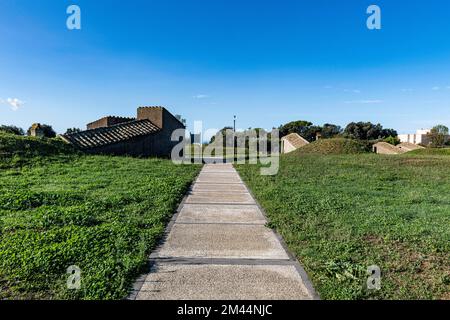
(200, 96)
(436, 88)
(328, 87)
(14, 103)
(364, 101)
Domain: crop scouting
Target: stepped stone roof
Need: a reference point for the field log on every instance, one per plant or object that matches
(409, 146)
(387, 148)
(296, 140)
(109, 135)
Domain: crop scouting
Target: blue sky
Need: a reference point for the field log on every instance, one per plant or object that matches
(268, 62)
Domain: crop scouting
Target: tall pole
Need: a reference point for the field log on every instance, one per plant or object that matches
(234, 124)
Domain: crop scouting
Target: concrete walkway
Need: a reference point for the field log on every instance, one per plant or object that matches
(218, 248)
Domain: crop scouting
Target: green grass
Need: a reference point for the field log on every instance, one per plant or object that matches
(432, 151)
(340, 214)
(334, 146)
(102, 214)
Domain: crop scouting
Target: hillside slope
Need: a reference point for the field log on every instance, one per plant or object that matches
(333, 146)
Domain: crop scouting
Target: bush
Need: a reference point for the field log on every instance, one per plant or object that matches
(11, 145)
(12, 130)
(392, 140)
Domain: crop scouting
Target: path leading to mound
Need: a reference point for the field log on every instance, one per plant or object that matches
(217, 247)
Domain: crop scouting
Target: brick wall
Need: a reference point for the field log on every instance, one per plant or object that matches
(107, 122)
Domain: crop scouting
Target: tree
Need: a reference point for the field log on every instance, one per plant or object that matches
(220, 132)
(12, 129)
(299, 127)
(181, 119)
(330, 130)
(73, 130)
(47, 130)
(438, 136)
(367, 131)
(309, 131)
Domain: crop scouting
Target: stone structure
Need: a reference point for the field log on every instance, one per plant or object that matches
(149, 134)
(36, 130)
(387, 148)
(292, 142)
(107, 122)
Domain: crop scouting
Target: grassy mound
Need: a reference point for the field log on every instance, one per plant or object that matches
(334, 146)
(11, 145)
(431, 152)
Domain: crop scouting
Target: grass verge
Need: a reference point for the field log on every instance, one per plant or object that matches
(102, 214)
(340, 214)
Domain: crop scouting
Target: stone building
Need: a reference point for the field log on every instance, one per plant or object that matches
(149, 134)
(37, 130)
(387, 148)
(292, 142)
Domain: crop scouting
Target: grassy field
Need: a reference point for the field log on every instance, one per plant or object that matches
(432, 152)
(102, 214)
(340, 214)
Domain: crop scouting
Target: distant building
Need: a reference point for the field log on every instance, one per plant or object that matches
(37, 130)
(292, 142)
(420, 137)
(149, 134)
(108, 122)
(387, 148)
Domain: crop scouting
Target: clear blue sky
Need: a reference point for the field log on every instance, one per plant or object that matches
(268, 62)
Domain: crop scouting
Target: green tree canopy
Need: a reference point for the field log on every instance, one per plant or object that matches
(309, 131)
(368, 131)
(438, 136)
(12, 129)
(73, 130)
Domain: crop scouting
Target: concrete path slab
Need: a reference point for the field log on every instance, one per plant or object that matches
(219, 178)
(221, 241)
(220, 197)
(236, 187)
(223, 282)
(204, 213)
(218, 247)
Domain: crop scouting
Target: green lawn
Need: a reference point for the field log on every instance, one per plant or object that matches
(102, 214)
(340, 214)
